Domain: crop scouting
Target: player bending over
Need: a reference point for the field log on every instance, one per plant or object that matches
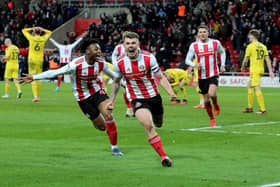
(138, 67)
(87, 88)
(257, 53)
(206, 52)
(178, 77)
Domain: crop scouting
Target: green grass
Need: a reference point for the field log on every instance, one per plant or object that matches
(51, 143)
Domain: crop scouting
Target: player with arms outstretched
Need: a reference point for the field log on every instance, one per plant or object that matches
(87, 88)
(65, 52)
(12, 67)
(256, 52)
(178, 77)
(206, 52)
(138, 68)
(37, 38)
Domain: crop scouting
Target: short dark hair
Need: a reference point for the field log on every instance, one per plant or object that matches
(130, 35)
(203, 27)
(86, 43)
(255, 33)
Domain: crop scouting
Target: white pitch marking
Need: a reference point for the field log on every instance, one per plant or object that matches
(270, 185)
(234, 126)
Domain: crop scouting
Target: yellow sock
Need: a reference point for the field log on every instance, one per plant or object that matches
(38, 87)
(7, 88)
(34, 88)
(250, 97)
(18, 87)
(183, 90)
(175, 91)
(201, 98)
(260, 99)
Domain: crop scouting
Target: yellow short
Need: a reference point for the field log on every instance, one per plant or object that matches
(11, 73)
(35, 68)
(255, 79)
(195, 76)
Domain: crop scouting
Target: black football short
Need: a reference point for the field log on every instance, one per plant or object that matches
(89, 105)
(154, 104)
(204, 84)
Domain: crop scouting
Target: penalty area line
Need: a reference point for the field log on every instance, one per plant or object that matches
(270, 185)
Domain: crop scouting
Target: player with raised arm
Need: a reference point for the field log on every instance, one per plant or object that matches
(65, 52)
(206, 52)
(87, 88)
(256, 52)
(119, 50)
(138, 68)
(37, 38)
(12, 67)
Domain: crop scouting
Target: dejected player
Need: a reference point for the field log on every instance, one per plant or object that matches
(206, 52)
(138, 67)
(256, 52)
(87, 88)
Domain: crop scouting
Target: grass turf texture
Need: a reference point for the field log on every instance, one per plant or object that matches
(51, 143)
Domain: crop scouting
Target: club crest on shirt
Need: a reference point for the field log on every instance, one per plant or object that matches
(141, 68)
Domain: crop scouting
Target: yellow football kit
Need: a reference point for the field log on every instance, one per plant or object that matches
(36, 55)
(176, 77)
(12, 66)
(195, 72)
(256, 53)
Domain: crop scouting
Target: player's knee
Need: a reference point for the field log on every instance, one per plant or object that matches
(108, 116)
(99, 126)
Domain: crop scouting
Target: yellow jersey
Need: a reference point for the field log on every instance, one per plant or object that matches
(12, 53)
(177, 75)
(256, 52)
(36, 44)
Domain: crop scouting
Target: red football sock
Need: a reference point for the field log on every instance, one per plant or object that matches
(126, 100)
(156, 144)
(59, 79)
(111, 130)
(208, 108)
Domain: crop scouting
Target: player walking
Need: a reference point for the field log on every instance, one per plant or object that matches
(138, 67)
(65, 52)
(12, 67)
(87, 89)
(37, 38)
(206, 52)
(257, 53)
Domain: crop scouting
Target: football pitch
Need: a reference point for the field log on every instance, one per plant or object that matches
(51, 143)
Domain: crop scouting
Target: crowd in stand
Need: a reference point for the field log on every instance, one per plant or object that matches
(46, 14)
(168, 29)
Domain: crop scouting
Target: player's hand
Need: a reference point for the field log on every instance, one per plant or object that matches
(271, 74)
(84, 34)
(173, 97)
(197, 65)
(242, 69)
(222, 69)
(27, 78)
(190, 70)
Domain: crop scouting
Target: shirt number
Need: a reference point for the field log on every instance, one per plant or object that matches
(260, 54)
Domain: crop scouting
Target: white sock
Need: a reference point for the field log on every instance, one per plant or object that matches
(114, 146)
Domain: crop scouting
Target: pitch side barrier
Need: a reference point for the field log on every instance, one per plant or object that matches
(240, 79)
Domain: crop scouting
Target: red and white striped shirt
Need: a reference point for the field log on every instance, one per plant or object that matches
(119, 50)
(207, 54)
(65, 51)
(138, 73)
(84, 77)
